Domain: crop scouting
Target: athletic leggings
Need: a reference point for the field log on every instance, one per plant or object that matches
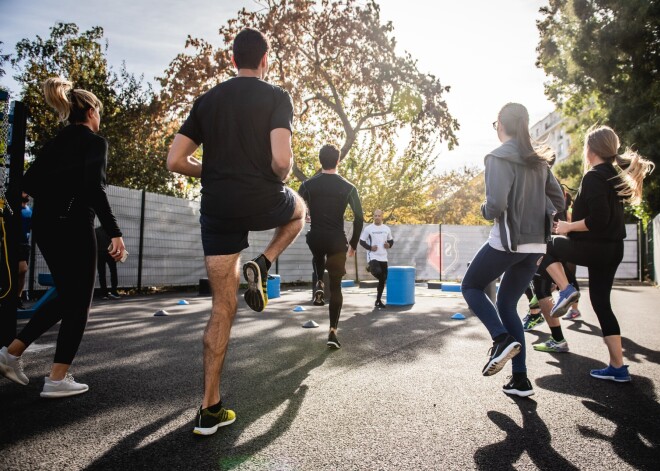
(517, 270)
(102, 260)
(382, 278)
(329, 252)
(602, 258)
(69, 248)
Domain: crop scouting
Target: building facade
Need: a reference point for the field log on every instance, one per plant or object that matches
(551, 131)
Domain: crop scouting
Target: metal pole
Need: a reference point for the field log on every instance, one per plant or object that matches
(141, 249)
(440, 251)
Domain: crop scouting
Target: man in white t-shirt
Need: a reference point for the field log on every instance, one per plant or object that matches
(377, 238)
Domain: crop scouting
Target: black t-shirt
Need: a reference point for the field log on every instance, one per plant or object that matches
(599, 205)
(232, 122)
(327, 196)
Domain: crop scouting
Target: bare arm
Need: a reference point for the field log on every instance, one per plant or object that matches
(180, 159)
(280, 143)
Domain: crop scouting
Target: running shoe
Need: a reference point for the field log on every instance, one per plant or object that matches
(500, 353)
(567, 297)
(572, 315)
(530, 321)
(333, 341)
(380, 305)
(620, 375)
(11, 367)
(114, 295)
(552, 346)
(207, 422)
(522, 387)
(256, 275)
(64, 388)
(319, 294)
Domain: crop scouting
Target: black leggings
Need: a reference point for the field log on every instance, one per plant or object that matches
(69, 248)
(103, 259)
(602, 260)
(329, 252)
(382, 278)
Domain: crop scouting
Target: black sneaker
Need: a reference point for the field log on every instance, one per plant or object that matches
(333, 341)
(20, 304)
(114, 295)
(380, 305)
(319, 294)
(207, 422)
(521, 387)
(256, 275)
(500, 353)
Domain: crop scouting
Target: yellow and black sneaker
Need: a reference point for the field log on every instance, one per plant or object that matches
(210, 419)
(256, 275)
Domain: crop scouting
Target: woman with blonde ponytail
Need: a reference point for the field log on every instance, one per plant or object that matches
(67, 181)
(595, 236)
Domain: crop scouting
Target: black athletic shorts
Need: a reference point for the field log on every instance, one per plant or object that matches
(229, 236)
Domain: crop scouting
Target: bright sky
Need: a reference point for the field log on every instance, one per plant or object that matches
(483, 49)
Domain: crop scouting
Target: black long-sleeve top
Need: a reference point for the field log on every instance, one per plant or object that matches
(68, 179)
(599, 205)
(327, 195)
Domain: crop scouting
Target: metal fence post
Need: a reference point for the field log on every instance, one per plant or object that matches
(141, 249)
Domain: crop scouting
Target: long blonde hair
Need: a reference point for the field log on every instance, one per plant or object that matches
(603, 141)
(71, 104)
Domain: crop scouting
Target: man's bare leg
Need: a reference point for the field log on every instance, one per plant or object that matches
(558, 275)
(223, 276)
(286, 234)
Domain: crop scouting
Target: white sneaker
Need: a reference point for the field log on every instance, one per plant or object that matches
(63, 388)
(11, 367)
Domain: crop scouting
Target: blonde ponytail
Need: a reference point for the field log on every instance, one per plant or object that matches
(634, 168)
(56, 91)
(603, 141)
(71, 104)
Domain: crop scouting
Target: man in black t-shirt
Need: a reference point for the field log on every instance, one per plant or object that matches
(327, 195)
(244, 126)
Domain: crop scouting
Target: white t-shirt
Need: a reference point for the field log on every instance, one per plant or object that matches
(376, 235)
(495, 242)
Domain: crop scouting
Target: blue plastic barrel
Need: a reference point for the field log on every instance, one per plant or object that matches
(273, 286)
(401, 286)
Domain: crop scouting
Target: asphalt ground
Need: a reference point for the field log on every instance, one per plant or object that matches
(405, 391)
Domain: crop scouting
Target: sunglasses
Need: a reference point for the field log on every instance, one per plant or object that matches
(495, 125)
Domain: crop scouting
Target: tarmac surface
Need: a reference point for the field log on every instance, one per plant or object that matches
(405, 391)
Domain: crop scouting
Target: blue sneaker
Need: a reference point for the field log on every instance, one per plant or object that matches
(620, 375)
(567, 297)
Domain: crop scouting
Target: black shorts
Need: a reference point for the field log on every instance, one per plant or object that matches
(229, 236)
(24, 253)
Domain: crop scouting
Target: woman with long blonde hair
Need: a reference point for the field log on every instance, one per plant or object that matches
(595, 236)
(67, 181)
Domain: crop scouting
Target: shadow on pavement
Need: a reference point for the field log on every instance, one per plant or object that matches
(631, 407)
(533, 437)
(631, 350)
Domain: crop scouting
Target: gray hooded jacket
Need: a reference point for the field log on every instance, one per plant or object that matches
(514, 197)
